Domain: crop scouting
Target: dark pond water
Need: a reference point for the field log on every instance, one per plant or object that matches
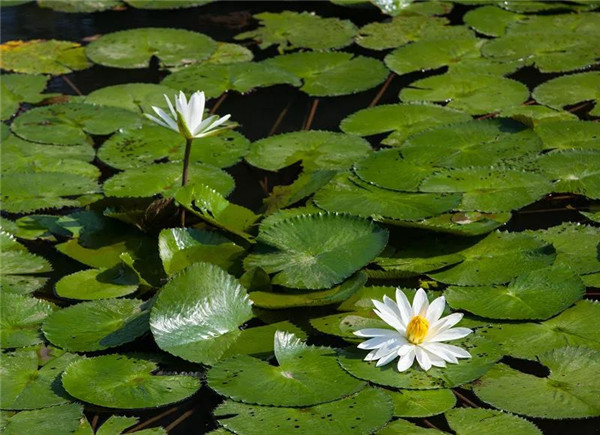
(222, 21)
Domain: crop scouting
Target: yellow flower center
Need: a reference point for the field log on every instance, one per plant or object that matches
(417, 328)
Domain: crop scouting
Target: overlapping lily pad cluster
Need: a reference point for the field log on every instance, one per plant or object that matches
(151, 312)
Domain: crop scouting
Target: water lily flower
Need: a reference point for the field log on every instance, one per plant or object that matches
(186, 117)
(418, 333)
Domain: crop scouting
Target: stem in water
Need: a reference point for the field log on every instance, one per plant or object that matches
(184, 177)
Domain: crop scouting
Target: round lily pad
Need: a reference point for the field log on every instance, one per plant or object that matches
(174, 319)
(363, 412)
(43, 57)
(491, 20)
(484, 354)
(569, 133)
(21, 317)
(119, 280)
(135, 47)
(121, 381)
(317, 251)
(165, 179)
(96, 325)
(330, 74)
(572, 171)
(470, 223)
(17, 262)
(568, 392)
(406, 427)
(572, 89)
(538, 294)
(20, 88)
(315, 149)
(488, 421)
(72, 123)
(47, 421)
(305, 375)
(171, 4)
(421, 403)
(137, 97)
(85, 6)
(230, 53)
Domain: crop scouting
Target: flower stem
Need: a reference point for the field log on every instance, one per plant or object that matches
(185, 175)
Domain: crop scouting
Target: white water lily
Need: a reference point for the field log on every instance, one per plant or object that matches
(186, 117)
(418, 332)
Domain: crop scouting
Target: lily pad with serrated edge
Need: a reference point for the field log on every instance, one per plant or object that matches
(491, 20)
(583, 23)
(20, 88)
(21, 317)
(557, 286)
(165, 179)
(497, 259)
(533, 116)
(530, 7)
(230, 53)
(363, 412)
(91, 284)
(305, 375)
(568, 392)
(488, 421)
(315, 149)
(137, 97)
(343, 325)
(72, 123)
(126, 382)
(472, 93)
(43, 57)
(403, 120)
(339, 293)
(407, 7)
(171, 4)
(85, 6)
(116, 424)
(135, 47)
(347, 194)
(174, 319)
(17, 260)
(571, 89)
(290, 30)
(406, 427)
(569, 134)
(421, 403)
(47, 421)
(96, 325)
(133, 148)
(317, 251)
(572, 327)
(242, 77)
(25, 386)
(484, 354)
(487, 66)
(468, 223)
(329, 74)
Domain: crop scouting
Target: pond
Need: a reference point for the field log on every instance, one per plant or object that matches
(373, 149)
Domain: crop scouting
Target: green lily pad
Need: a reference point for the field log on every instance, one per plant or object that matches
(343, 325)
(363, 412)
(584, 23)
(491, 20)
(43, 57)
(317, 251)
(488, 421)
(17, 262)
(20, 88)
(315, 149)
(331, 74)
(472, 92)
(305, 185)
(137, 97)
(72, 123)
(8, 3)
(489, 189)
(533, 6)
(407, 7)
(484, 354)
(116, 424)
(171, 4)
(121, 381)
(242, 77)
(165, 179)
(339, 293)
(174, 319)
(572, 89)
(533, 116)
(469, 223)
(132, 148)
(20, 284)
(230, 53)
(84, 6)
(96, 325)
(568, 392)
(569, 134)
(104, 283)
(406, 427)
(403, 120)
(305, 375)
(25, 386)
(347, 194)
(572, 171)
(572, 327)
(557, 286)
(363, 298)
(290, 30)
(20, 319)
(64, 419)
(497, 259)
(135, 47)
(421, 403)
(432, 53)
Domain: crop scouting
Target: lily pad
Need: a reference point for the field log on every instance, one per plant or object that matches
(363, 412)
(20, 88)
(102, 283)
(171, 4)
(497, 259)
(470, 223)
(72, 123)
(315, 149)
(242, 77)
(569, 134)
(317, 251)
(96, 325)
(331, 74)
(572, 171)
(557, 286)
(64, 419)
(137, 97)
(165, 179)
(571, 89)
(421, 403)
(135, 47)
(290, 30)
(21, 317)
(116, 424)
(43, 57)
(488, 421)
(305, 375)
(568, 392)
(491, 20)
(305, 185)
(406, 427)
(17, 262)
(534, 116)
(121, 381)
(201, 288)
(81, 6)
(230, 53)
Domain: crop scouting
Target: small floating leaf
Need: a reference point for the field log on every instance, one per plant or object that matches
(491, 20)
(137, 97)
(421, 403)
(488, 421)
(20, 88)
(572, 171)
(48, 421)
(569, 134)
(572, 89)
(21, 317)
(81, 6)
(103, 283)
(43, 57)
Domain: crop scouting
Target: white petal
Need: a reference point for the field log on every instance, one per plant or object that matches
(403, 306)
(204, 124)
(405, 348)
(406, 361)
(450, 334)
(374, 343)
(370, 356)
(440, 351)
(436, 309)
(450, 349)
(420, 303)
(436, 361)
(218, 122)
(166, 118)
(376, 332)
(158, 121)
(171, 106)
(386, 359)
(386, 349)
(388, 318)
(445, 323)
(181, 104)
(423, 358)
(195, 112)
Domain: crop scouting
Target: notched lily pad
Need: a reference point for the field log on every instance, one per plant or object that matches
(20, 88)
(488, 421)
(47, 421)
(21, 317)
(137, 97)
(572, 89)
(43, 57)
